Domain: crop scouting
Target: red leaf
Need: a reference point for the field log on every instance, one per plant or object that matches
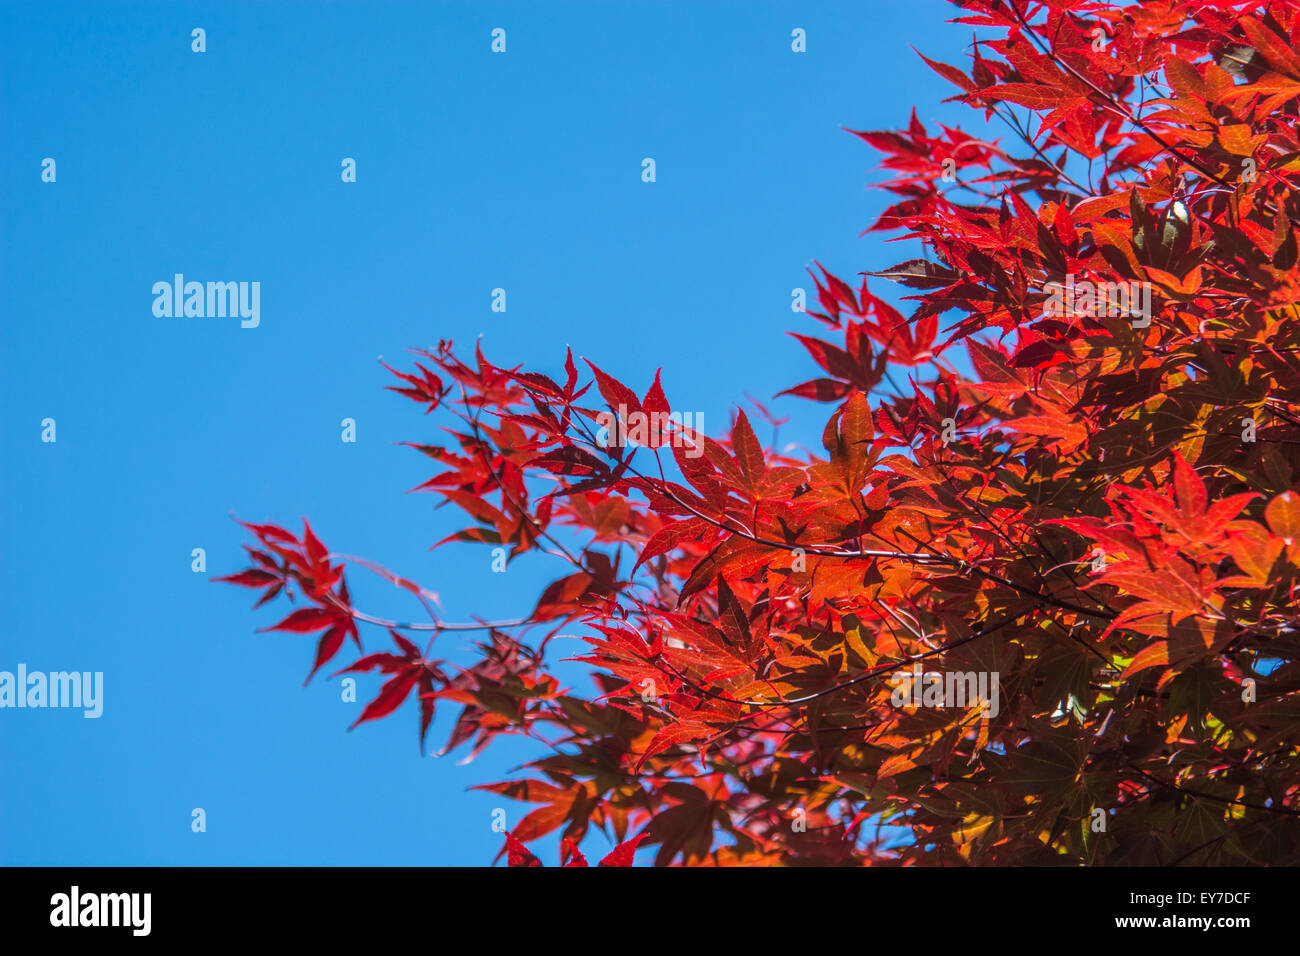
(519, 854)
(950, 73)
(819, 390)
(654, 399)
(316, 552)
(304, 620)
(615, 392)
(329, 645)
(390, 697)
(622, 854)
(749, 453)
(252, 578)
(574, 855)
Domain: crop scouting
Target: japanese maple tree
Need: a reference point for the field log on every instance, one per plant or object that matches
(1105, 514)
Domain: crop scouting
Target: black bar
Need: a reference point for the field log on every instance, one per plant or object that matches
(337, 905)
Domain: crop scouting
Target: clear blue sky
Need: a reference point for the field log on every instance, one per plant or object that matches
(475, 171)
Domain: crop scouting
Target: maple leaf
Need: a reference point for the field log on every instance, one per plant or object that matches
(1102, 508)
(519, 855)
(409, 671)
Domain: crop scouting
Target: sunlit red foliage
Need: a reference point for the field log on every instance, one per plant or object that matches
(1112, 525)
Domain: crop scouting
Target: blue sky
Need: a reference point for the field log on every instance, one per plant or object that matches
(474, 171)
